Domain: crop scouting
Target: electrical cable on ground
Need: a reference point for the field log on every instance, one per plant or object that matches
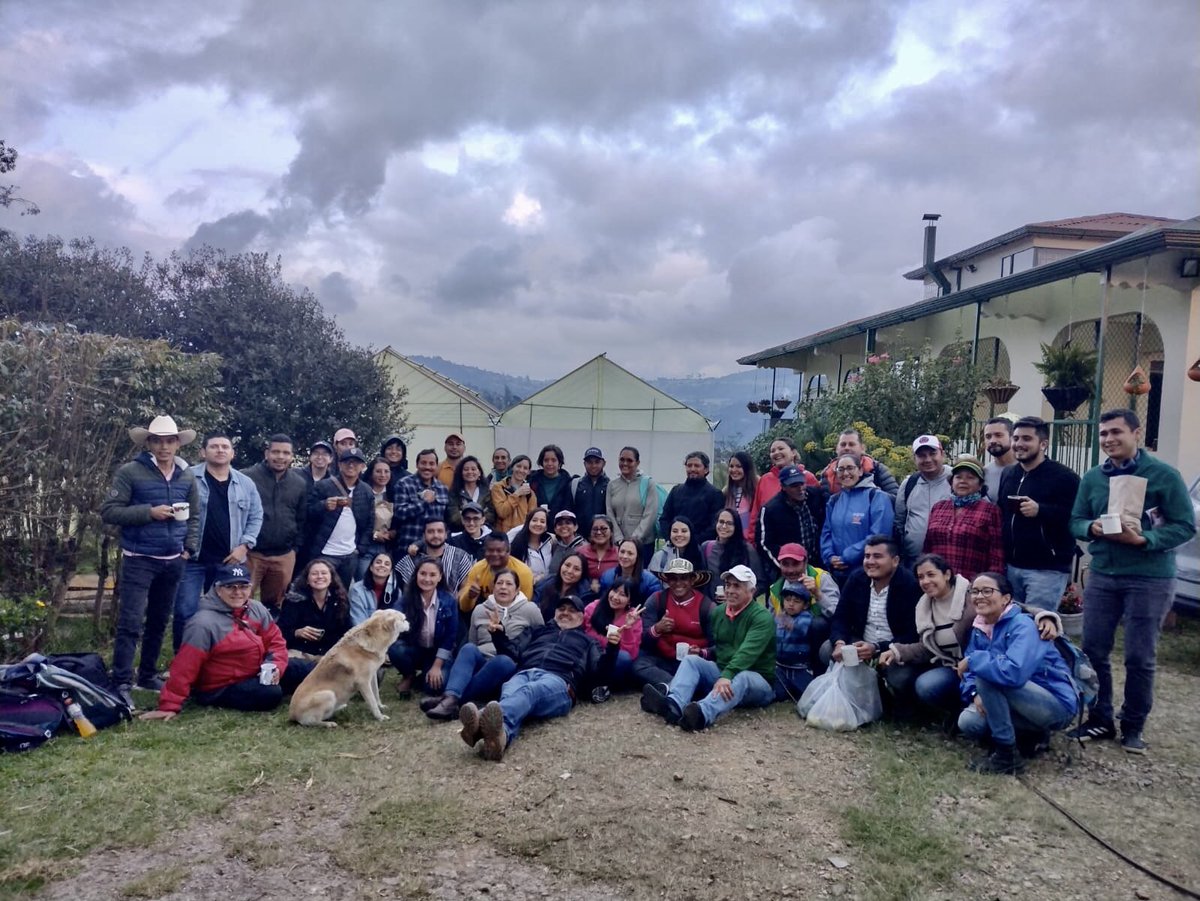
(1183, 890)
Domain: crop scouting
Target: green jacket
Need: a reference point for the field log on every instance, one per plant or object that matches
(747, 642)
(1166, 498)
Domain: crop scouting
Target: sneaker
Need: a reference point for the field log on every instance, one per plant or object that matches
(1132, 743)
(125, 693)
(655, 701)
(153, 683)
(491, 727)
(1093, 730)
(692, 719)
(1004, 761)
(468, 715)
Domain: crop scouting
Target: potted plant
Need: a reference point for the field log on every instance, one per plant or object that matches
(1070, 373)
(752, 406)
(1000, 391)
(1070, 611)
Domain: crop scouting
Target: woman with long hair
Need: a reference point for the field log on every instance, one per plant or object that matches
(427, 648)
(730, 548)
(378, 478)
(377, 590)
(599, 552)
(629, 566)
(680, 543)
(468, 487)
(782, 452)
(315, 615)
(513, 497)
(615, 608)
(740, 486)
(532, 544)
(567, 579)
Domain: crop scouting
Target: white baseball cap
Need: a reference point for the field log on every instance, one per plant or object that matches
(741, 573)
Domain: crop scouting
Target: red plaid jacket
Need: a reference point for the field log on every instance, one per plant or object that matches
(969, 538)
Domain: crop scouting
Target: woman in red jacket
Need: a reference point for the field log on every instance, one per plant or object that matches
(225, 647)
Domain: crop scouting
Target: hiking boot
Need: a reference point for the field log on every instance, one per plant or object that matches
(655, 701)
(1003, 761)
(1032, 744)
(1093, 730)
(427, 704)
(692, 719)
(444, 710)
(491, 727)
(125, 693)
(1132, 742)
(468, 715)
(152, 683)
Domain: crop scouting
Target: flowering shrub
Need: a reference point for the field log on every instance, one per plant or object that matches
(22, 625)
(1072, 600)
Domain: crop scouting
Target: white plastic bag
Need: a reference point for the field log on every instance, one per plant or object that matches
(843, 699)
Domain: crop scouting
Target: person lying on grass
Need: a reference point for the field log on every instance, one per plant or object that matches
(225, 648)
(554, 662)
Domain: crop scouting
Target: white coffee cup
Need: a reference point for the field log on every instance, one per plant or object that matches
(849, 655)
(1110, 523)
(611, 631)
(266, 673)
(181, 511)
(682, 649)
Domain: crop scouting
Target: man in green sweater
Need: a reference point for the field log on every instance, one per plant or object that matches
(1132, 574)
(738, 671)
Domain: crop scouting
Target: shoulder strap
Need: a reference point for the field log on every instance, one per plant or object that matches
(643, 487)
(909, 484)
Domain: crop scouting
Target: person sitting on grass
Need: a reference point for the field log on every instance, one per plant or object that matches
(679, 614)
(378, 590)
(315, 615)
(615, 609)
(426, 649)
(1013, 682)
(225, 645)
(555, 662)
(793, 646)
(478, 671)
(738, 671)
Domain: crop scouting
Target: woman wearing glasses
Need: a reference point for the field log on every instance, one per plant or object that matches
(600, 553)
(1013, 682)
(856, 512)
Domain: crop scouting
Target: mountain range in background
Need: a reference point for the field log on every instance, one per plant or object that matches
(722, 397)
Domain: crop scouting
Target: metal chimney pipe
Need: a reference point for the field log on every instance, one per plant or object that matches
(930, 246)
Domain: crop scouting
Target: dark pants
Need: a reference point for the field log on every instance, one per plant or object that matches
(410, 659)
(197, 578)
(296, 670)
(345, 567)
(790, 682)
(147, 596)
(654, 669)
(249, 694)
(901, 682)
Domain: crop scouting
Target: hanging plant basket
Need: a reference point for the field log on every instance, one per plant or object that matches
(765, 404)
(1137, 383)
(1000, 394)
(752, 406)
(1194, 372)
(1066, 400)
(783, 402)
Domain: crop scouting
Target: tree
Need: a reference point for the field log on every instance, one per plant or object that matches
(70, 399)
(8, 193)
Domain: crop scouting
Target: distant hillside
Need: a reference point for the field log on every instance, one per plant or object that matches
(722, 398)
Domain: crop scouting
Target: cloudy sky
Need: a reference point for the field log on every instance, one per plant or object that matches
(521, 184)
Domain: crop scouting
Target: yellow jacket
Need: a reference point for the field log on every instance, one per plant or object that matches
(481, 574)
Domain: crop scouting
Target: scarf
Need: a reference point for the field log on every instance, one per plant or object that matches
(968, 500)
(936, 619)
(1109, 468)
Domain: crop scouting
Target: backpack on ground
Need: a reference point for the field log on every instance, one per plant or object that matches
(28, 720)
(36, 675)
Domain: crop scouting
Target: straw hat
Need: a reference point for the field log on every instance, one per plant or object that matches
(681, 567)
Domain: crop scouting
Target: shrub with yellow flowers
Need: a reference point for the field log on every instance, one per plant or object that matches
(22, 626)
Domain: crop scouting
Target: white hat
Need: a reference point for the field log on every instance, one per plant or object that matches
(741, 573)
(926, 441)
(162, 427)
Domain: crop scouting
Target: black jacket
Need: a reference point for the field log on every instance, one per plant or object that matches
(589, 499)
(850, 618)
(1043, 541)
(285, 509)
(779, 525)
(700, 501)
(571, 654)
(322, 521)
(562, 498)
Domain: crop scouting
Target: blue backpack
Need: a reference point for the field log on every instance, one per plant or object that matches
(1083, 674)
(643, 488)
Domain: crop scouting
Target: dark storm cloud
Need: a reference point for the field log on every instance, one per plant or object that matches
(336, 294)
(233, 233)
(481, 277)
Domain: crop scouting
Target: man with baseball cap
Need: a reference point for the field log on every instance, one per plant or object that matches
(341, 514)
(917, 495)
(475, 529)
(155, 501)
(737, 671)
(794, 516)
(320, 457)
(343, 440)
(232, 653)
(455, 447)
(590, 490)
(555, 664)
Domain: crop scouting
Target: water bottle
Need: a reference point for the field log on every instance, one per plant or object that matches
(82, 723)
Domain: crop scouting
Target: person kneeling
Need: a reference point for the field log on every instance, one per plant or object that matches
(743, 673)
(1011, 679)
(229, 647)
(553, 661)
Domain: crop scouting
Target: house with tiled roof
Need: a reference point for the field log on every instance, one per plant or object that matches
(1125, 285)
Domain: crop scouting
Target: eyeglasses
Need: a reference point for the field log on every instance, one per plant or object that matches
(596, 529)
(982, 592)
(846, 469)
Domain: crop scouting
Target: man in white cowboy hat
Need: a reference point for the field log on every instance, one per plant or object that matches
(737, 670)
(155, 501)
(677, 621)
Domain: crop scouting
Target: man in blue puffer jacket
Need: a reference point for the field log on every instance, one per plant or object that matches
(155, 501)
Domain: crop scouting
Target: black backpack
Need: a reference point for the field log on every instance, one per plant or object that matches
(82, 677)
(27, 721)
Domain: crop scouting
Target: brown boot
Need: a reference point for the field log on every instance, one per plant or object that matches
(468, 715)
(427, 704)
(446, 709)
(491, 727)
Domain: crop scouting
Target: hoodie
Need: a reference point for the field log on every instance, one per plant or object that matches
(518, 616)
(913, 506)
(851, 517)
(399, 470)
(1014, 655)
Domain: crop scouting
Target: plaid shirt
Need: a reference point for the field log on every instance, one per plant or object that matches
(970, 542)
(412, 510)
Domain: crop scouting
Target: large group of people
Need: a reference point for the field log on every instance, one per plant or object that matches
(527, 589)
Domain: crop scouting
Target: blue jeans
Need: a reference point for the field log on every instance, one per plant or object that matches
(1040, 588)
(1028, 707)
(197, 578)
(147, 593)
(1142, 603)
(790, 682)
(938, 688)
(474, 675)
(697, 674)
(532, 692)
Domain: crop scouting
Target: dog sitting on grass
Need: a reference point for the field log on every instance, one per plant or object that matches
(350, 665)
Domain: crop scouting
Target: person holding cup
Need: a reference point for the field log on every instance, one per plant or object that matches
(232, 654)
(615, 615)
(679, 614)
(513, 497)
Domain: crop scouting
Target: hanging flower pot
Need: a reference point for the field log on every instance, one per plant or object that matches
(752, 406)
(1194, 372)
(765, 405)
(1137, 383)
(1000, 393)
(783, 402)
(1065, 400)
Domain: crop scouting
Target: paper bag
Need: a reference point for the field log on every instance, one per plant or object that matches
(1127, 498)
